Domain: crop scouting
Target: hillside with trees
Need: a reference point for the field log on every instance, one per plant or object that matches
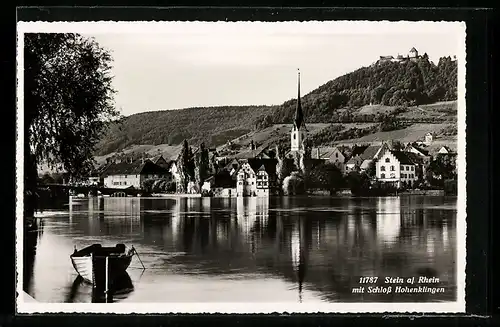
(381, 93)
(391, 84)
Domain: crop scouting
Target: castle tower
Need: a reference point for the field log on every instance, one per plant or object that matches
(299, 131)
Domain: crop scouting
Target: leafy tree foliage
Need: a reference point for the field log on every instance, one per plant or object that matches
(394, 84)
(68, 102)
(325, 176)
(284, 167)
(294, 184)
(184, 167)
(202, 165)
(440, 168)
(211, 125)
(358, 182)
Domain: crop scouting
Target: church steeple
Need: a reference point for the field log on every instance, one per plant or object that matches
(299, 115)
(299, 131)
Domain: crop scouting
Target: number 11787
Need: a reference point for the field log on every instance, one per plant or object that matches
(368, 280)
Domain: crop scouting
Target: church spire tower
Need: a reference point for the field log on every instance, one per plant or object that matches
(298, 133)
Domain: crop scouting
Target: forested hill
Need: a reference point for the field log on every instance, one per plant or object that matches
(389, 83)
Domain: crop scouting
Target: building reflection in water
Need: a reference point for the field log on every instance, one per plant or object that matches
(314, 244)
(388, 219)
(106, 216)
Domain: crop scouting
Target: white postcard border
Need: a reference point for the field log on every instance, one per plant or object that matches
(348, 27)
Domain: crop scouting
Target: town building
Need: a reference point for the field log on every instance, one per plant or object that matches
(131, 173)
(396, 168)
(160, 161)
(262, 181)
(411, 56)
(256, 177)
(445, 150)
(363, 156)
(414, 148)
(428, 138)
(246, 182)
(221, 184)
(330, 154)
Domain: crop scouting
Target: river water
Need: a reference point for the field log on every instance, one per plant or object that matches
(289, 249)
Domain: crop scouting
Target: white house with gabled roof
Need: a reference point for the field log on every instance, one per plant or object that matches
(396, 168)
(246, 181)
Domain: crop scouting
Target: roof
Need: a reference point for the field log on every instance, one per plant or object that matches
(324, 152)
(356, 160)
(413, 49)
(136, 167)
(370, 152)
(232, 164)
(415, 158)
(402, 157)
(311, 162)
(247, 154)
(386, 57)
(420, 149)
(222, 179)
(358, 150)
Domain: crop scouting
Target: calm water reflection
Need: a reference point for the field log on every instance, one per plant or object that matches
(250, 249)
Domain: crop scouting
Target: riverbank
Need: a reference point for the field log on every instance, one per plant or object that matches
(423, 192)
(174, 195)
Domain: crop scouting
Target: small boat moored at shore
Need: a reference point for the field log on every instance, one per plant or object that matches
(90, 262)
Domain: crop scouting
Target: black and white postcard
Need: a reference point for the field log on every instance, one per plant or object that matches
(241, 167)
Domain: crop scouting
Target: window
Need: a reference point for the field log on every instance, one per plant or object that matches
(411, 175)
(387, 160)
(412, 168)
(407, 167)
(253, 183)
(392, 168)
(124, 183)
(240, 183)
(294, 136)
(336, 154)
(382, 175)
(382, 168)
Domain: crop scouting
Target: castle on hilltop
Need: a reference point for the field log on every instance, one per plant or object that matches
(411, 56)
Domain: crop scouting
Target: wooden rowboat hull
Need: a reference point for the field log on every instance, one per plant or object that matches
(93, 271)
(90, 262)
(83, 266)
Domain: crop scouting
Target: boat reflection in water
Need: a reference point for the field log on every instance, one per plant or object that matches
(119, 290)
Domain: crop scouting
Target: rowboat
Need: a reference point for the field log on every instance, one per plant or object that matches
(90, 262)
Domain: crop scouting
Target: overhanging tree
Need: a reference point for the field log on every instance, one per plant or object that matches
(68, 103)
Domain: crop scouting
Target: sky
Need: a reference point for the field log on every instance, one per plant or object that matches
(188, 64)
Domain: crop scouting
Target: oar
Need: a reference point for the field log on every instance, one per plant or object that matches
(135, 251)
